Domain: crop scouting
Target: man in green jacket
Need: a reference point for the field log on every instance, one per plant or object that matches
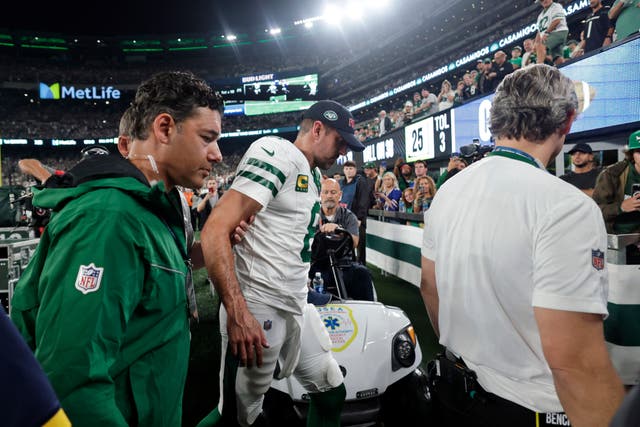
(614, 191)
(618, 200)
(102, 303)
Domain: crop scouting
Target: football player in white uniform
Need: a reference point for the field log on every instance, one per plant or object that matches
(266, 325)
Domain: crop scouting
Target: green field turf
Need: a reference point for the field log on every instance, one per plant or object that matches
(201, 392)
(252, 108)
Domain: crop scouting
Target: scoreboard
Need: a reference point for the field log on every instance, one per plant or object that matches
(430, 138)
(268, 93)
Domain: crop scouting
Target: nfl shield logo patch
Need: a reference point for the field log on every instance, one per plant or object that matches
(267, 325)
(597, 259)
(89, 277)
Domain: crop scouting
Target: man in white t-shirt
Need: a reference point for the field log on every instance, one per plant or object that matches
(552, 32)
(513, 273)
(266, 325)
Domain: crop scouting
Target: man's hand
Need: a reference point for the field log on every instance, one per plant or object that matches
(454, 163)
(329, 227)
(34, 168)
(246, 338)
(241, 230)
(631, 204)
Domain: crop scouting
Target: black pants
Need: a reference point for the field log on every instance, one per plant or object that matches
(361, 253)
(356, 277)
(633, 255)
(475, 407)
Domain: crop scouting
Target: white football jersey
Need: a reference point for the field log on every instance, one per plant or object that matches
(272, 261)
(550, 14)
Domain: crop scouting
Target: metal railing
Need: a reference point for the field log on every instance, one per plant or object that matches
(381, 215)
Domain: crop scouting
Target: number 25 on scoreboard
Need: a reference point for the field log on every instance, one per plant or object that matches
(419, 140)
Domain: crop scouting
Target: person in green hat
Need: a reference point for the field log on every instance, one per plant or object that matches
(617, 191)
(373, 179)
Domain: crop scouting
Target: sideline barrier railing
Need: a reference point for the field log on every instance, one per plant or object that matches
(14, 257)
(622, 326)
(403, 216)
(393, 247)
(396, 249)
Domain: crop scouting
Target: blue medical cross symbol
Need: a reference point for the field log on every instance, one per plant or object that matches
(332, 322)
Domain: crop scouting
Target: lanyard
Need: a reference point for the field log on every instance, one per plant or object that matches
(515, 154)
(188, 285)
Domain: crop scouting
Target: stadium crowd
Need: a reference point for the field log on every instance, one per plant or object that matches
(361, 72)
(403, 187)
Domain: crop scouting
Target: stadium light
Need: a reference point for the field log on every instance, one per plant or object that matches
(306, 21)
(231, 37)
(275, 31)
(332, 14)
(354, 10)
(380, 4)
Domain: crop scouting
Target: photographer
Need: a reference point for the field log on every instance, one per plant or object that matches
(424, 191)
(519, 305)
(388, 198)
(456, 164)
(39, 216)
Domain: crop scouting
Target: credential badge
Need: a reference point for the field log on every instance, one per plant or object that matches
(89, 277)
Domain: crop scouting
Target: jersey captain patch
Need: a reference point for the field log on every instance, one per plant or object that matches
(302, 183)
(89, 277)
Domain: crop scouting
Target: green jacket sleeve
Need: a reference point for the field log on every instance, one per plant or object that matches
(90, 283)
(608, 197)
(441, 179)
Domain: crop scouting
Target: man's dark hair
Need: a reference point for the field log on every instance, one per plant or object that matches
(629, 156)
(349, 163)
(420, 161)
(126, 121)
(305, 126)
(178, 93)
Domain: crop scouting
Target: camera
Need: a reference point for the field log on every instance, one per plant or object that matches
(474, 151)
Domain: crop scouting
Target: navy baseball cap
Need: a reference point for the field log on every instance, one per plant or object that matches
(335, 115)
(581, 147)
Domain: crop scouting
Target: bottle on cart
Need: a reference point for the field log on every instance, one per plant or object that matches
(401, 207)
(318, 283)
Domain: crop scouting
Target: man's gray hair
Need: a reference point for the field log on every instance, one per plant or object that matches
(532, 103)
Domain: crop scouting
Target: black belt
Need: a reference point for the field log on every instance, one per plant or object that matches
(456, 388)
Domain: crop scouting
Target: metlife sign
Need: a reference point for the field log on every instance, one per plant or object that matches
(56, 91)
